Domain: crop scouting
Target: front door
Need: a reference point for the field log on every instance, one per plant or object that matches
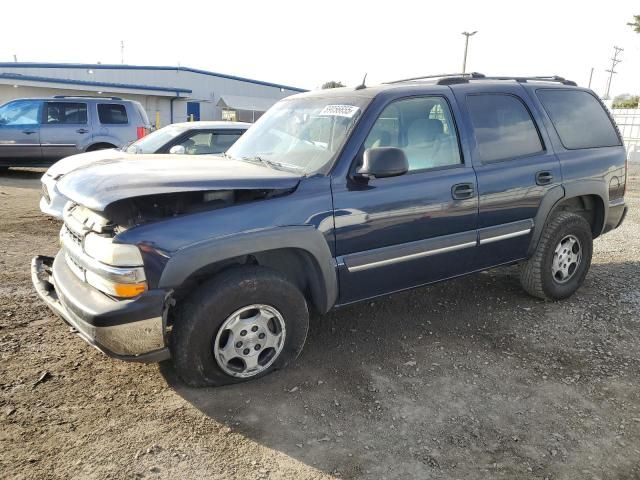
(515, 165)
(20, 133)
(400, 232)
(64, 128)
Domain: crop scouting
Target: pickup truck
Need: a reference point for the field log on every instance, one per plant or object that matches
(333, 197)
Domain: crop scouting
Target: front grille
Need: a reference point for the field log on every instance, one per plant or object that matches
(71, 235)
(45, 193)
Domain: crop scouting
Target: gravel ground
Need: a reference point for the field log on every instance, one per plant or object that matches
(466, 379)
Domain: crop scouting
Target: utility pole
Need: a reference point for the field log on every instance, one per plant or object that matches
(590, 77)
(466, 47)
(612, 71)
(122, 52)
(15, 58)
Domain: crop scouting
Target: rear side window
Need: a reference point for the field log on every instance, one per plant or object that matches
(579, 119)
(112, 114)
(65, 113)
(503, 127)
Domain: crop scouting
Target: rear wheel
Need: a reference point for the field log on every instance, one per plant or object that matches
(241, 325)
(563, 257)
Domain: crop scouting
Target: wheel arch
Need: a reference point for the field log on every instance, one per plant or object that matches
(300, 253)
(585, 198)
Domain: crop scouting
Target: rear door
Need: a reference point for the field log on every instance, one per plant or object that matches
(20, 133)
(401, 232)
(65, 126)
(115, 125)
(515, 166)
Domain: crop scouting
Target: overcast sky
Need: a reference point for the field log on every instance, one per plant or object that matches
(307, 43)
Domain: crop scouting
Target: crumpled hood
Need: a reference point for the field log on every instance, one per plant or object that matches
(67, 164)
(98, 185)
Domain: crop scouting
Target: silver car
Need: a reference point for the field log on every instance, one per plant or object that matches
(36, 132)
(191, 138)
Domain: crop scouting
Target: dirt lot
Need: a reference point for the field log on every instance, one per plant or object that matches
(466, 379)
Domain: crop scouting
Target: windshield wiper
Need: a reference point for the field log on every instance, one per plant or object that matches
(271, 163)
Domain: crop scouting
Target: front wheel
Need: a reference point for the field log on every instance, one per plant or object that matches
(563, 257)
(241, 325)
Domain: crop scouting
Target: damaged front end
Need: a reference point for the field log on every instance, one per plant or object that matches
(103, 286)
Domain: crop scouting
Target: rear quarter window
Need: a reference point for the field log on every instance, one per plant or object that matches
(579, 119)
(112, 114)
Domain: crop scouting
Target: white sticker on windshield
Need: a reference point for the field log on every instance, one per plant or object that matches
(339, 111)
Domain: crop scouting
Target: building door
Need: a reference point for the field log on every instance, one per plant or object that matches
(193, 111)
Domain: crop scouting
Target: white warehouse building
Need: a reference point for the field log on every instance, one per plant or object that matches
(168, 94)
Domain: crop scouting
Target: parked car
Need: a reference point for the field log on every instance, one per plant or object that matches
(331, 198)
(36, 132)
(190, 138)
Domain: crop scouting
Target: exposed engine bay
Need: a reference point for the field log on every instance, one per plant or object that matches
(129, 212)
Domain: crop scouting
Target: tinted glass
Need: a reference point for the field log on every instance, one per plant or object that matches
(112, 114)
(423, 128)
(502, 126)
(579, 119)
(65, 113)
(22, 112)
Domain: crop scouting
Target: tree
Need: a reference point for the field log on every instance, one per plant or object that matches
(332, 84)
(635, 24)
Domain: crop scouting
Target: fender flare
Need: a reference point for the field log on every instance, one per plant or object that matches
(188, 260)
(556, 195)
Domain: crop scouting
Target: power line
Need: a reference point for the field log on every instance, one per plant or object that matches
(612, 71)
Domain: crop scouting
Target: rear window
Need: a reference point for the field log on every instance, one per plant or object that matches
(579, 119)
(61, 113)
(503, 127)
(112, 114)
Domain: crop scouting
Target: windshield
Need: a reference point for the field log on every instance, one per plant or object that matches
(155, 140)
(301, 134)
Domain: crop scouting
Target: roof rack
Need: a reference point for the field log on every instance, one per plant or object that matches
(441, 75)
(454, 78)
(87, 96)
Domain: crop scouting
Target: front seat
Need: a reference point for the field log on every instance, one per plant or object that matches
(422, 139)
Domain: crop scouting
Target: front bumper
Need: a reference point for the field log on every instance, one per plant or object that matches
(131, 330)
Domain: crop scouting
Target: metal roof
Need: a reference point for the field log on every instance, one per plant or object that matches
(101, 66)
(88, 83)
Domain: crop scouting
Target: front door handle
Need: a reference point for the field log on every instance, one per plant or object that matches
(82, 130)
(544, 177)
(462, 191)
(28, 132)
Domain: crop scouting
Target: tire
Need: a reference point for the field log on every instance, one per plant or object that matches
(537, 274)
(198, 322)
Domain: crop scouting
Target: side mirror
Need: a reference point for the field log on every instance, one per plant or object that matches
(178, 150)
(383, 162)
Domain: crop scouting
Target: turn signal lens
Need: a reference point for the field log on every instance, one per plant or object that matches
(128, 290)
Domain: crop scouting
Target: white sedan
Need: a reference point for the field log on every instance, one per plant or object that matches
(191, 138)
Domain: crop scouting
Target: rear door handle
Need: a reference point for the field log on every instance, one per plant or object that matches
(28, 132)
(82, 130)
(462, 191)
(544, 177)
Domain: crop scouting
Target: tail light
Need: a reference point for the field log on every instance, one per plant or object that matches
(141, 132)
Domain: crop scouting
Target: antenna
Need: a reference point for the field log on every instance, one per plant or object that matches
(362, 85)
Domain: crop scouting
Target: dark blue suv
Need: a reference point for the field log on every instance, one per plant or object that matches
(331, 198)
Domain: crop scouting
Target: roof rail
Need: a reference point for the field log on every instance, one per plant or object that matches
(442, 75)
(466, 78)
(549, 78)
(87, 96)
